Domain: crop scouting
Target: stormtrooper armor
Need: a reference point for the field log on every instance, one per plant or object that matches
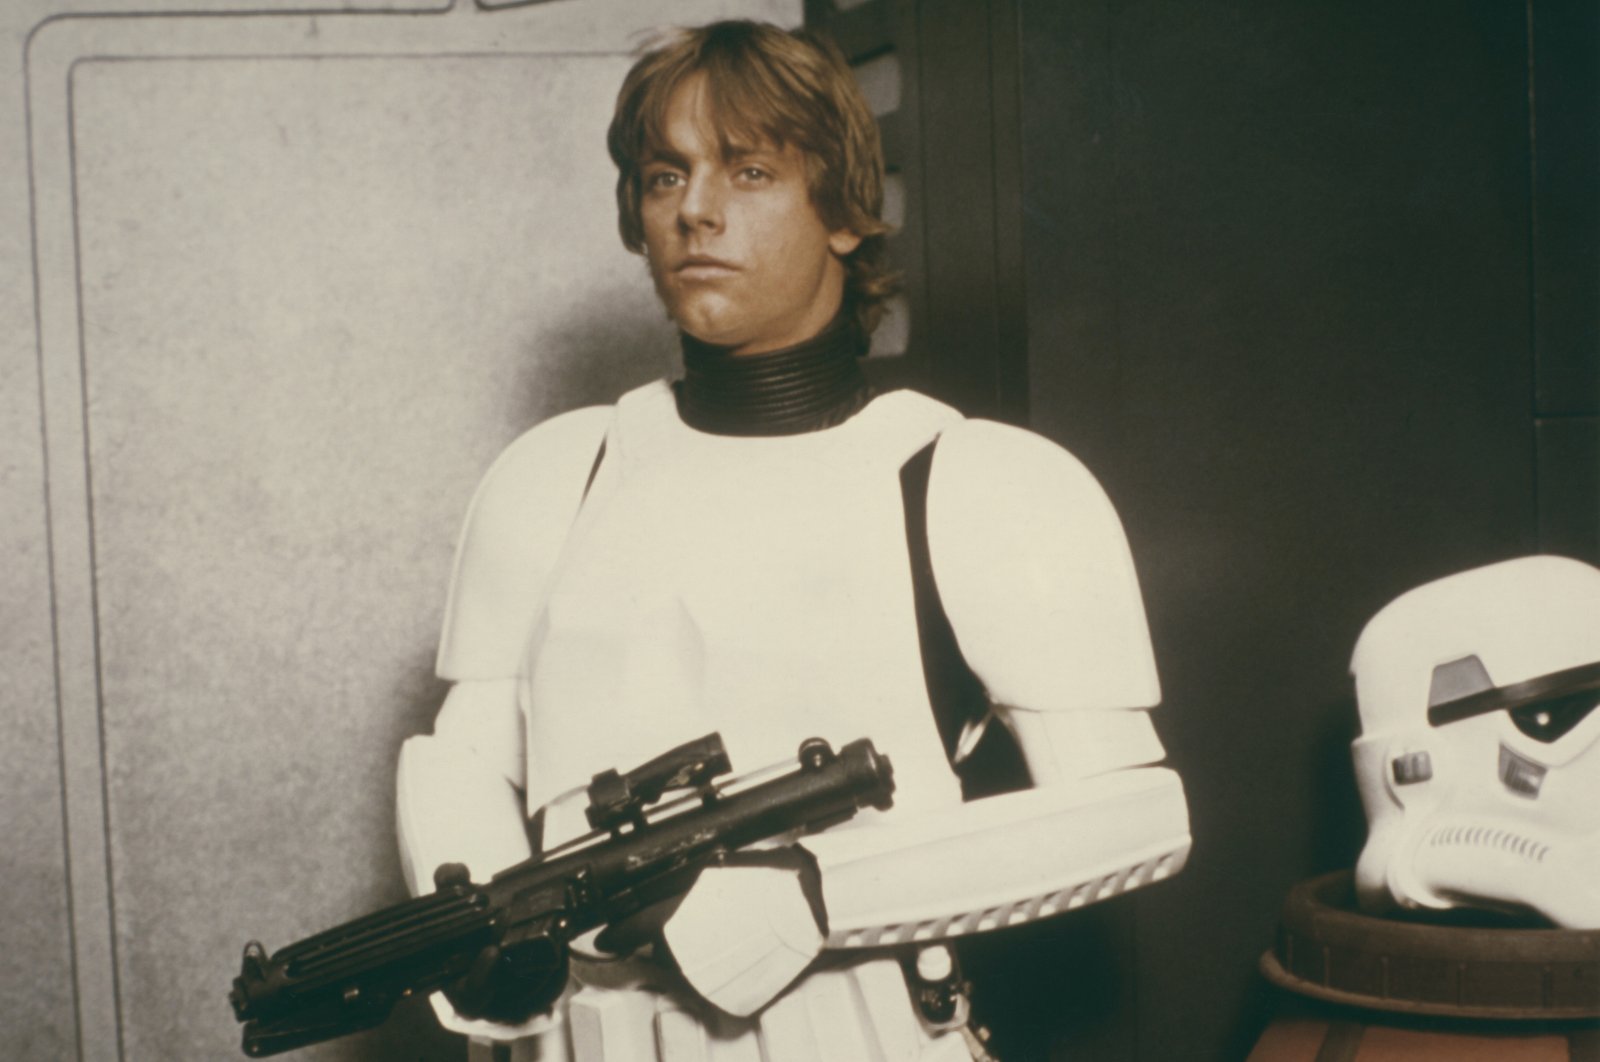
(613, 597)
(1479, 755)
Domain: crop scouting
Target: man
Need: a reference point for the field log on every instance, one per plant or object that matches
(769, 550)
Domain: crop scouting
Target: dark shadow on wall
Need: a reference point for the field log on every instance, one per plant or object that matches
(1336, 830)
(1338, 827)
(1031, 982)
(594, 352)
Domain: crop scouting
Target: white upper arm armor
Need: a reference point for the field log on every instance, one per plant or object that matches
(1035, 576)
(513, 532)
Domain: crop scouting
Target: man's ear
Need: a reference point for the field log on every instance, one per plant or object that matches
(843, 242)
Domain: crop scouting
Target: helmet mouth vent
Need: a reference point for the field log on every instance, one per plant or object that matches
(1490, 837)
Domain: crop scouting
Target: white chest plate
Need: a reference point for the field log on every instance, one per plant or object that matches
(758, 587)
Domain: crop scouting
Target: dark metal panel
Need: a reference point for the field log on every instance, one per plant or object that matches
(955, 115)
(1010, 289)
(954, 141)
(1566, 188)
(869, 29)
(861, 32)
(962, 195)
(902, 147)
(1569, 487)
(1278, 301)
(899, 141)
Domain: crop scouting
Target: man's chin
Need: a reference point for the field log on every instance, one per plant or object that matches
(708, 326)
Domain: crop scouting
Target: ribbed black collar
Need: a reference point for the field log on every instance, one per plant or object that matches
(807, 387)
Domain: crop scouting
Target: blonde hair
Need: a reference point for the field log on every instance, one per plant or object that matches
(768, 85)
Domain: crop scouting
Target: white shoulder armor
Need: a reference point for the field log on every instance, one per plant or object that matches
(514, 529)
(1035, 574)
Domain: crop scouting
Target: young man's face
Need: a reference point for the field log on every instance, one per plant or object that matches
(738, 252)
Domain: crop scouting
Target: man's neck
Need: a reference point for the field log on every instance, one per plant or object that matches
(806, 387)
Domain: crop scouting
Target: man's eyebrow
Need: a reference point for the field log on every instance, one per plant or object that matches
(745, 152)
(663, 155)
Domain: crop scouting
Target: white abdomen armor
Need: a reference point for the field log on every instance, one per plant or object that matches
(755, 587)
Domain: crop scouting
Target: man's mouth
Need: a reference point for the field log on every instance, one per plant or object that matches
(704, 267)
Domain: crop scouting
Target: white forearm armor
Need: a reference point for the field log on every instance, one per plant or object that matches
(1001, 861)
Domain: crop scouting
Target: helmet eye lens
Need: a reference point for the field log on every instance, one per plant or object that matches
(1548, 720)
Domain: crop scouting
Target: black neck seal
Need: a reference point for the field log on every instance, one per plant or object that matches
(807, 387)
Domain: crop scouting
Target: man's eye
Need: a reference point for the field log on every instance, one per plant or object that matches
(661, 179)
(754, 174)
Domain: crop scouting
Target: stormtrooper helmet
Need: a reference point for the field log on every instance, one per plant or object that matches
(1479, 755)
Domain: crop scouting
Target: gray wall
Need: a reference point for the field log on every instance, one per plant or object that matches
(273, 292)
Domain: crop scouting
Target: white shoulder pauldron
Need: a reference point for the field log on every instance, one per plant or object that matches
(513, 532)
(1035, 574)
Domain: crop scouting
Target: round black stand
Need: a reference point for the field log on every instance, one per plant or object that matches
(1461, 988)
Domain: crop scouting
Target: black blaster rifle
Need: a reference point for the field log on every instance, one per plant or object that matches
(350, 977)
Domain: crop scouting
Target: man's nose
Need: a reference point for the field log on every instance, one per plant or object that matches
(702, 203)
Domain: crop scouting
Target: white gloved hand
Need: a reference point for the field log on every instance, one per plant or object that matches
(484, 1030)
(743, 934)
